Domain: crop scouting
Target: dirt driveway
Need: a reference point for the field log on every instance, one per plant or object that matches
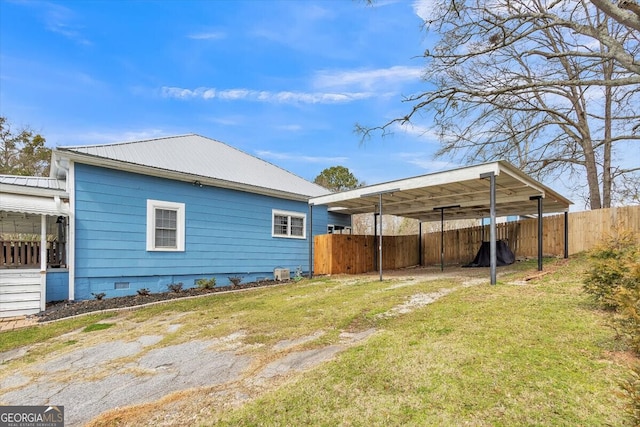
(90, 374)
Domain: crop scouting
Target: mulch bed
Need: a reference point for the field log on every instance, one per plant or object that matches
(61, 309)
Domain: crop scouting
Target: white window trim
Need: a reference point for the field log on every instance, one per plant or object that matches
(289, 214)
(152, 205)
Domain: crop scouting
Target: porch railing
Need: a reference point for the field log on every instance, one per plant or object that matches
(26, 254)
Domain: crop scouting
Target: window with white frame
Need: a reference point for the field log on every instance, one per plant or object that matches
(289, 224)
(165, 226)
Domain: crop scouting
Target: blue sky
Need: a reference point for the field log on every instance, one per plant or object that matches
(283, 80)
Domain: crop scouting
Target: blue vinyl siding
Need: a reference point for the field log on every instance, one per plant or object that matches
(57, 284)
(333, 218)
(228, 233)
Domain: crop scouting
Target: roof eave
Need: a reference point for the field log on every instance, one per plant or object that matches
(365, 199)
(176, 175)
(32, 191)
(546, 191)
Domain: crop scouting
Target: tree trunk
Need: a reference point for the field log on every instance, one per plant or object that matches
(592, 175)
(607, 68)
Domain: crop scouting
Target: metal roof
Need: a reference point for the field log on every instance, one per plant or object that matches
(33, 195)
(23, 203)
(422, 197)
(194, 157)
(33, 181)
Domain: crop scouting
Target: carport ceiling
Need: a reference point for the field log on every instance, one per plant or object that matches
(461, 191)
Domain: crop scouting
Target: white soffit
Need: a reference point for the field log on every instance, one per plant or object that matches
(420, 197)
(33, 205)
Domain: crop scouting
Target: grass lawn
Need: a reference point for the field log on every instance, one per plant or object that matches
(518, 353)
(534, 354)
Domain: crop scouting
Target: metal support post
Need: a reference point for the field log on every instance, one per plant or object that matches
(375, 239)
(441, 209)
(420, 243)
(539, 199)
(566, 235)
(379, 194)
(380, 241)
(492, 227)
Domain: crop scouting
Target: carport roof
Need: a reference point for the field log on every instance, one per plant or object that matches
(463, 192)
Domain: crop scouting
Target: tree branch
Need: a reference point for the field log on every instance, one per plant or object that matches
(626, 12)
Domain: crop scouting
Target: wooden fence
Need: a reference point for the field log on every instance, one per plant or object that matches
(461, 246)
(353, 254)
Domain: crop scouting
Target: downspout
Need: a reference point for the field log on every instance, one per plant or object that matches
(310, 240)
(71, 236)
(43, 262)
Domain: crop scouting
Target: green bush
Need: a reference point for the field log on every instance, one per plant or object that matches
(614, 280)
(627, 317)
(631, 392)
(614, 267)
(206, 283)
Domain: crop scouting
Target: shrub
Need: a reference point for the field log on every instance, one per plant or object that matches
(143, 292)
(175, 287)
(627, 317)
(235, 281)
(614, 280)
(206, 283)
(631, 392)
(615, 266)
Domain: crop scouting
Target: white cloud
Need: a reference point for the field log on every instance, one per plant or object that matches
(62, 20)
(425, 161)
(283, 97)
(289, 128)
(228, 120)
(368, 79)
(212, 35)
(265, 154)
(431, 11)
(233, 93)
(416, 130)
(424, 9)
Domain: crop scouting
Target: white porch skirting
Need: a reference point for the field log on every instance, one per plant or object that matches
(20, 292)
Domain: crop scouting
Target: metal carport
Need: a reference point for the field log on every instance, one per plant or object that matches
(486, 190)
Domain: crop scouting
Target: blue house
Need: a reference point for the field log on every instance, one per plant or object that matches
(150, 213)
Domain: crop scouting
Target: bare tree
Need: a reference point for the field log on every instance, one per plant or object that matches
(552, 86)
(626, 12)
